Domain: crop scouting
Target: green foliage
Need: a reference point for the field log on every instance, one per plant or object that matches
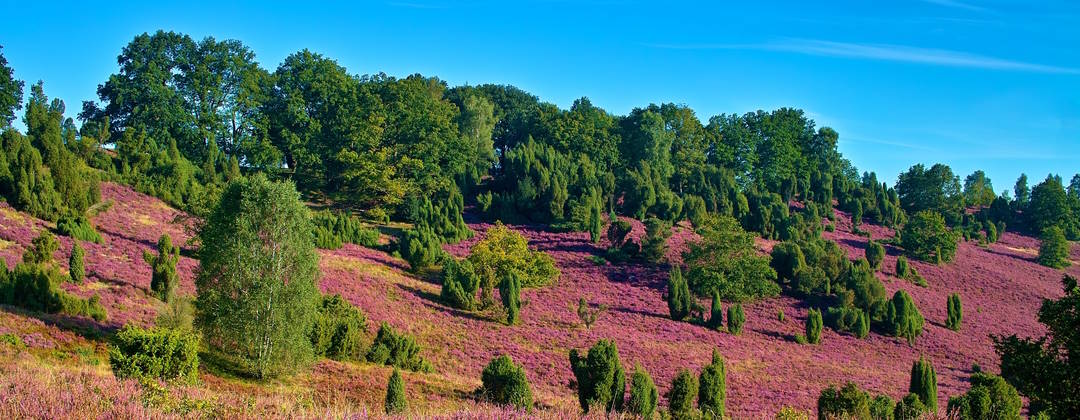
(926, 238)
(924, 383)
(846, 402)
(902, 318)
(36, 287)
(848, 319)
(694, 209)
(460, 284)
(712, 388)
(504, 252)
(334, 229)
(25, 182)
(396, 401)
(788, 260)
(725, 260)
(76, 266)
(164, 279)
(339, 330)
(504, 383)
(935, 190)
(735, 319)
(955, 312)
(681, 395)
(716, 313)
(902, 267)
(42, 248)
(78, 228)
(990, 397)
(680, 303)
(978, 190)
(621, 248)
(910, 407)
(654, 246)
(600, 378)
(881, 408)
(875, 254)
(1054, 248)
(420, 247)
(155, 353)
(813, 327)
(1043, 369)
(861, 288)
(539, 183)
(510, 293)
(644, 397)
(258, 264)
(1050, 206)
(178, 314)
(396, 349)
(11, 93)
(588, 317)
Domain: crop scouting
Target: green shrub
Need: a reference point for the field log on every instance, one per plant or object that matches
(325, 239)
(155, 353)
(736, 319)
(694, 209)
(78, 228)
(712, 387)
(338, 331)
(847, 319)
(420, 248)
(1054, 249)
(902, 318)
(643, 394)
(846, 402)
(41, 249)
(654, 245)
(35, 287)
(788, 260)
(813, 327)
(333, 229)
(902, 267)
(510, 292)
(76, 266)
(910, 407)
(164, 279)
(504, 251)
(396, 402)
(812, 280)
(875, 254)
(990, 397)
(716, 313)
(681, 395)
(679, 300)
(955, 312)
(991, 232)
(504, 383)
(924, 383)
(460, 284)
(726, 260)
(925, 237)
(881, 408)
(587, 316)
(396, 349)
(862, 327)
(791, 413)
(600, 378)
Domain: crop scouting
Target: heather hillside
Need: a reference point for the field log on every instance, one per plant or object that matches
(1001, 285)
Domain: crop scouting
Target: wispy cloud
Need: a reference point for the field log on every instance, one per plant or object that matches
(957, 5)
(884, 52)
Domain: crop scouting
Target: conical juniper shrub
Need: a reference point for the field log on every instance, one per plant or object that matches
(600, 378)
(712, 387)
(643, 394)
(924, 383)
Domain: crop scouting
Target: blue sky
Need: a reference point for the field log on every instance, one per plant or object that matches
(992, 85)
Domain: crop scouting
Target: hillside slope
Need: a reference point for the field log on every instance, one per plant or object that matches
(1001, 287)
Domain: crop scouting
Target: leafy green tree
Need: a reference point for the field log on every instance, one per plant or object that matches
(1054, 248)
(924, 383)
(503, 252)
(1049, 205)
(902, 318)
(955, 312)
(76, 267)
(601, 382)
(28, 185)
(504, 383)
(510, 292)
(396, 401)
(902, 267)
(256, 278)
(712, 387)
(680, 302)
(875, 254)
(990, 397)
(935, 189)
(725, 260)
(926, 238)
(681, 395)
(11, 92)
(164, 279)
(813, 327)
(735, 319)
(643, 394)
(978, 191)
(787, 259)
(1044, 369)
(1021, 192)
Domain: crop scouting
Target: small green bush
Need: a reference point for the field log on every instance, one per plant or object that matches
(420, 247)
(78, 228)
(600, 378)
(504, 383)
(955, 312)
(902, 318)
(654, 245)
(460, 284)
(339, 329)
(396, 349)
(712, 387)
(681, 395)
(990, 397)
(846, 402)
(813, 327)
(787, 260)
(902, 267)
(643, 394)
(76, 266)
(510, 292)
(679, 300)
(41, 249)
(736, 319)
(396, 402)
(164, 279)
(1054, 249)
(875, 254)
(910, 407)
(155, 353)
(881, 408)
(716, 312)
(924, 383)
